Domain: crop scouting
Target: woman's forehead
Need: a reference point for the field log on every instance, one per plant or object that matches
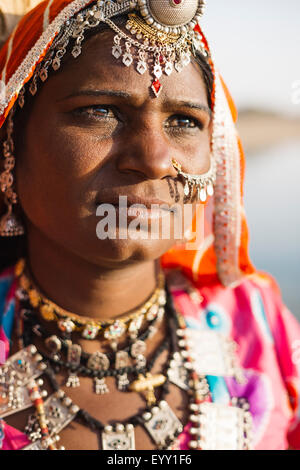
(97, 70)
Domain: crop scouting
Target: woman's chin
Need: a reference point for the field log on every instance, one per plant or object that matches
(132, 248)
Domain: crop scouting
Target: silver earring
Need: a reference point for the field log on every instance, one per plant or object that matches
(10, 226)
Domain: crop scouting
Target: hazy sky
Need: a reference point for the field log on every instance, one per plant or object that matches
(256, 46)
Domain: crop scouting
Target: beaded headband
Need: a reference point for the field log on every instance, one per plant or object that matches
(162, 36)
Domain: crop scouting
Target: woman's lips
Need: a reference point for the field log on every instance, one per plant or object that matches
(153, 208)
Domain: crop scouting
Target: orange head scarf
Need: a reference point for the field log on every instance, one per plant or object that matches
(222, 254)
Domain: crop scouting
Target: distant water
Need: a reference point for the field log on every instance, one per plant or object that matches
(272, 202)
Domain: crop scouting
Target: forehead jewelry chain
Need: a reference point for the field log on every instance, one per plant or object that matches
(160, 36)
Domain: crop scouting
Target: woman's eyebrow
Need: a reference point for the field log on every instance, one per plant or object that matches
(126, 95)
(189, 105)
(90, 92)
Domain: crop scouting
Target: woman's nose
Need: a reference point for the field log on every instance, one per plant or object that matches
(148, 152)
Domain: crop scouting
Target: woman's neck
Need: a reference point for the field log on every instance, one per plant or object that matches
(84, 288)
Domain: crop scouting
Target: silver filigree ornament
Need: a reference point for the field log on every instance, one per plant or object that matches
(164, 17)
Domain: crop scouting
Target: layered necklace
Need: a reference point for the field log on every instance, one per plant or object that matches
(21, 382)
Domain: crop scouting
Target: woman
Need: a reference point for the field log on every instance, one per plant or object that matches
(107, 99)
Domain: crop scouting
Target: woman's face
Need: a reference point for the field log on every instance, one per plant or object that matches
(94, 132)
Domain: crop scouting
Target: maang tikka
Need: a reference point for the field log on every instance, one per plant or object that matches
(160, 36)
(10, 226)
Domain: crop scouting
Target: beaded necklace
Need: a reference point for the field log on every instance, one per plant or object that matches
(22, 371)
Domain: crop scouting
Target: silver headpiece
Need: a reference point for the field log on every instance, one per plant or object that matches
(161, 36)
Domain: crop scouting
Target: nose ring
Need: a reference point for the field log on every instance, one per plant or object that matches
(203, 184)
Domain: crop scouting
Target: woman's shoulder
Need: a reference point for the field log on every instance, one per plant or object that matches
(249, 292)
(252, 308)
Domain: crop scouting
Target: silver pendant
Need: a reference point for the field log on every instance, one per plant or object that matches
(162, 424)
(168, 68)
(178, 66)
(127, 59)
(157, 71)
(100, 386)
(18, 370)
(74, 355)
(100, 362)
(122, 361)
(53, 344)
(212, 353)
(186, 189)
(118, 437)
(117, 51)
(203, 195)
(60, 411)
(177, 373)
(56, 63)
(138, 350)
(76, 51)
(220, 427)
(141, 67)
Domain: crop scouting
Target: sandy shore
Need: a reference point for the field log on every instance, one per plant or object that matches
(259, 130)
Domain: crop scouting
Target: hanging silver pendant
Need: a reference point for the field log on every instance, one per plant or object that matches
(117, 48)
(53, 344)
(168, 68)
(118, 437)
(141, 67)
(74, 355)
(138, 350)
(122, 361)
(186, 188)
(210, 189)
(212, 353)
(18, 370)
(233, 427)
(157, 71)
(162, 424)
(99, 362)
(56, 63)
(178, 66)
(117, 51)
(203, 195)
(127, 59)
(100, 386)
(177, 373)
(73, 381)
(60, 411)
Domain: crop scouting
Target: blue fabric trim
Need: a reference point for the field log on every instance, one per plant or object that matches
(259, 313)
(8, 318)
(219, 389)
(5, 284)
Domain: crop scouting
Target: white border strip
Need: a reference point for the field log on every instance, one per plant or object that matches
(47, 15)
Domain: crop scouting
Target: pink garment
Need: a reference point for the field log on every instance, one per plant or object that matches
(268, 339)
(268, 350)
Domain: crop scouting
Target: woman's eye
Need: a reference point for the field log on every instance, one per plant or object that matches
(183, 122)
(97, 111)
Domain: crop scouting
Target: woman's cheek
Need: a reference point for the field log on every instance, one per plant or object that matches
(75, 151)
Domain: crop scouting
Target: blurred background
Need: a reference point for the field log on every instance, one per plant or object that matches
(255, 45)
